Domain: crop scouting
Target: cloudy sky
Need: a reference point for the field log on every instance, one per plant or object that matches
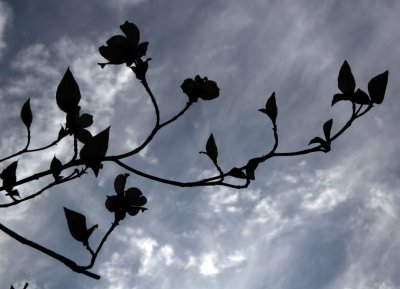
(313, 221)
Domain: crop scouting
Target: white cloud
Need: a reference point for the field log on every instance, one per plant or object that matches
(208, 265)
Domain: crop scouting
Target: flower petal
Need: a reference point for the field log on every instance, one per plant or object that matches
(131, 31)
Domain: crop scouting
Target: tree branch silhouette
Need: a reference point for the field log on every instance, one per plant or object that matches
(90, 152)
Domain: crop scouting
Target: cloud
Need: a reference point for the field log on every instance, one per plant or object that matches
(5, 19)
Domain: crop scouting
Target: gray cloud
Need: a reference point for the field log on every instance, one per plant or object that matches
(321, 221)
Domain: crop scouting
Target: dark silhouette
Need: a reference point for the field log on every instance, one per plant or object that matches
(90, 152)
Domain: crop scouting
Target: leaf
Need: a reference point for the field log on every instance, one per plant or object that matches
(68, 94)
(55, 167)
(237, 173)
(26, 114)
(76, 225)
(83, 135)
(377, 87)
(327, 129)
(119, 183)
(317, 140)
(95, 149)
(270, 108)
(211, 149)
(346, 82)
(324, 144)
(339, 97)
(251, 168)
(9, 176)
(90, 231)
(360, 97)
(62, 133)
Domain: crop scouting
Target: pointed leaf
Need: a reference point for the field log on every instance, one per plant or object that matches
(119, 183)
(339, 97)
(90, 230)
(317, 140)
(346, 82)
(360, 97)
(237, 173)
(377, 87)
(9, 176)
(327, 129)
(55, 167)
(251, 168)
(211, 149)
(83, 135)
(26, 114)
(96, 147)
(77, 225)
(68, 94)
(270, 108)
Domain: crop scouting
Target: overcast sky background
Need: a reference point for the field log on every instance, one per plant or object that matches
(315, 221)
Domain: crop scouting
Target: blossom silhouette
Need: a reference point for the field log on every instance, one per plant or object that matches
(124, 49)
(125, 201)
(200, 88)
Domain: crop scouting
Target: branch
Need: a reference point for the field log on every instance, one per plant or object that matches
(74, 175)
(67, 262)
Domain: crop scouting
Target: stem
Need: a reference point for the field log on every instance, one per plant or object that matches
(67, 262)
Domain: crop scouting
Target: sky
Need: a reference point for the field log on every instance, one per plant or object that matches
(313, 221)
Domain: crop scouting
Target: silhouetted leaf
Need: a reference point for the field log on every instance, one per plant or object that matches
(324, 144)
(68, 94)
(327, 129)
(83, 135)
(62, 133)
(211, 149)
(346, 82)
(55, 167)
(119, 183)
(339, 97)
(251, 168)
(140, 68)
(360, 97)
(90, 231)
(270, 108)
(317, 140)
(237, 173)
(26, 114)
(77, 225)
(377, 87)
(95, 149)
(9, 177)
